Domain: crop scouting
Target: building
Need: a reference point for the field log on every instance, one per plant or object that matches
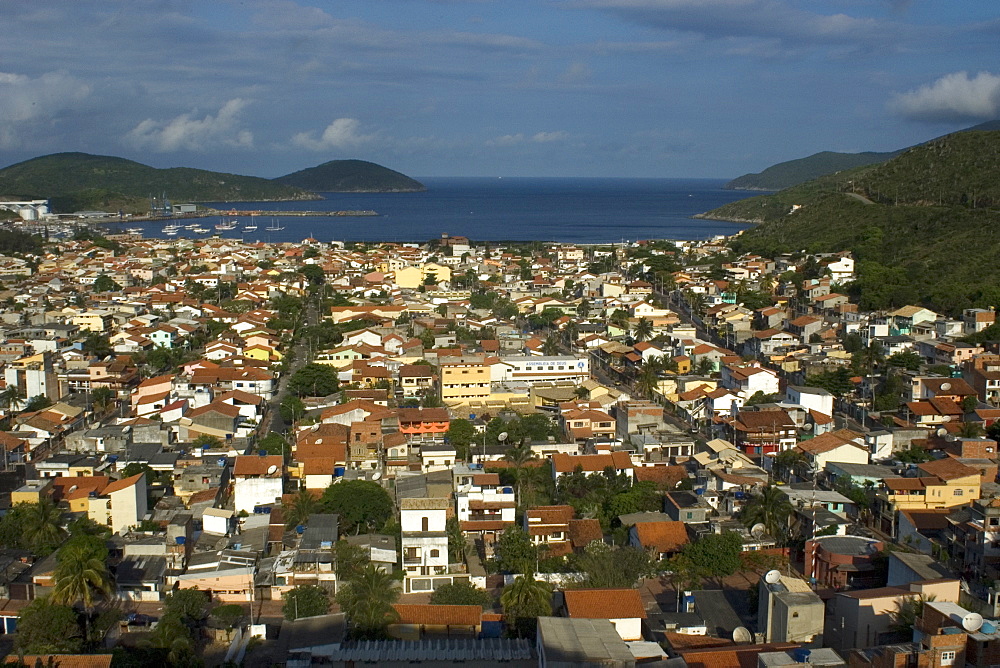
(258, 481)
(532, 369)
(424, 534)
(841, 562)
(789, 611)
(120, 505)
(622, 607)
(464, 379)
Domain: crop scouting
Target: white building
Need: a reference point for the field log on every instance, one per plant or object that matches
(811, 398)
(121, 505)
(424, 534)
(538, 369)
(257, 481)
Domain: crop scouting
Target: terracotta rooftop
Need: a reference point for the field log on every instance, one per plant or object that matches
(662, 536)
(604, 604)
(439, 615)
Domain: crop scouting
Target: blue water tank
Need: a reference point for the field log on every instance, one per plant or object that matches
(180, 540)
(338, 471)
(112, 458)
(699, 491)
(472, 416)
(508, 490)
(300, 529)
(262, 453)
(801, 655)
(740, 495)
(221, 461)
(988, 628)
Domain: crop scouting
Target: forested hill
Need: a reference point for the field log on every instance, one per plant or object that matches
(351, 176)
(75, 181)
(922, 225)
(793, 172)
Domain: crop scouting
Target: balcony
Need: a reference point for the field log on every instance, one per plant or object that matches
(411, 560)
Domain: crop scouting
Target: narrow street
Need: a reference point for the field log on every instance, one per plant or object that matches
(273, 421)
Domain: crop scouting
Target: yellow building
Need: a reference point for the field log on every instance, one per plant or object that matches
(33, 491)
(943, 483)
(413, 277)
(94, 321)
(464, 379)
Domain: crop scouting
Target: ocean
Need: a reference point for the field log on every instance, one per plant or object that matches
(574, 210)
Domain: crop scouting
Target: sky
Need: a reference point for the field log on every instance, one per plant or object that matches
(603, 88)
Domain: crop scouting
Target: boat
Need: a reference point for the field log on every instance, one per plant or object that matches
(274, 227)
(134, 230)
(198, 229)
(251, 226)
(226, 225)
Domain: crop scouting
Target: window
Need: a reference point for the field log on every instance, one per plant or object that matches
(959, 492)
(947, 658)
(424, 524)
(435, 554)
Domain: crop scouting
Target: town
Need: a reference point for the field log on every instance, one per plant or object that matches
(653, 452)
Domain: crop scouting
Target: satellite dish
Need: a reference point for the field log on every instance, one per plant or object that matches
(376, 475)
(945, 386)
(941, 431)
(946, 418)
(742, 635)
(758, 530)
(72, 488)
(807, 427)
(772, 577)
(972, 622)
(502, 436)
(272, 469)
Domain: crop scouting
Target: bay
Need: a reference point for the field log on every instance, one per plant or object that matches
(574, 210)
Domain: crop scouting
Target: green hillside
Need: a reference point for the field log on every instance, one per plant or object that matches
(928, 236)
(793, 172)
(351, 176)
(75, 181)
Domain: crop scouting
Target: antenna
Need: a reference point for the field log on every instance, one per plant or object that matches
(742, 635)
(758, 530)
(272, 469)
(772, 577)
(972, 622)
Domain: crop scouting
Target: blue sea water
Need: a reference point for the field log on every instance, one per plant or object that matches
(576, 210)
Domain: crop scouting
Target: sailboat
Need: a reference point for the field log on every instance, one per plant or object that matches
(274, 227)
(251, 226)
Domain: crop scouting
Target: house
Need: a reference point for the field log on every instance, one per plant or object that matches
(622, 607)
(120, 505)
(663, 539)
(420, 621)
(424, 535)
(763, 432)
(564, 642)
(258, 481)
(833, 447)
(555, 528)
(565, 464)
(415, 378)
(423, 424)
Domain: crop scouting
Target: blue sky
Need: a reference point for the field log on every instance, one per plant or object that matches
(647, 88)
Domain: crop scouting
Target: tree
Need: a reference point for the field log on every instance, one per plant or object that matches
(274, 444)
(105, 283)
(460, 434)
(716, 555)
(361, 504)
(907, 612)
(40, 526)
(914, 455)
(551, 345)
(314, 380)
(366, 598)
(456, 540)
(45, 627)
(97, 344)
(227, 616)
(302, 506)
(770, 508)
(524, 601)
(461, 593)
(648, 382)
(103, 398)
(305, 601)
(207, 441)
(643, 329)
(970, 430)
(82, 573)
(12, 397)
(514, 552)
(37, 403)
(607, 566)
(907, 359)
(349, 559)
(291, 408)
(314, 274)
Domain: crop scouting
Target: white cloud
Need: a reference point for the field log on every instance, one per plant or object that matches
(342, 133)
(185, 132)
(506, 140)
(546, 137)
(953, 98)
(27, 102)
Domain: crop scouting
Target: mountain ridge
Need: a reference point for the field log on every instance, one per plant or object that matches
(351, 176)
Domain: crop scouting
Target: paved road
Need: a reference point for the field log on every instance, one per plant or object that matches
(860, 198)
(274, 421)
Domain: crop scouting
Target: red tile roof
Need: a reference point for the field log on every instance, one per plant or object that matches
(439, 615)
(604, 604)
(564, 463)
(667, 536)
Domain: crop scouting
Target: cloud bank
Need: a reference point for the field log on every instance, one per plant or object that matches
(185, 132)
(342, 133)
(955, 97)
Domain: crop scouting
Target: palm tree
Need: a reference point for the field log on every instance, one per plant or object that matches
(302, 506)
(551, 345)
(12, 397)
(643, 329)
(41, 525)
(519, 456)
(524, 600)
(367, 599)
(907, 612)
(82, 573)
(648, 381)
(770, 508)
